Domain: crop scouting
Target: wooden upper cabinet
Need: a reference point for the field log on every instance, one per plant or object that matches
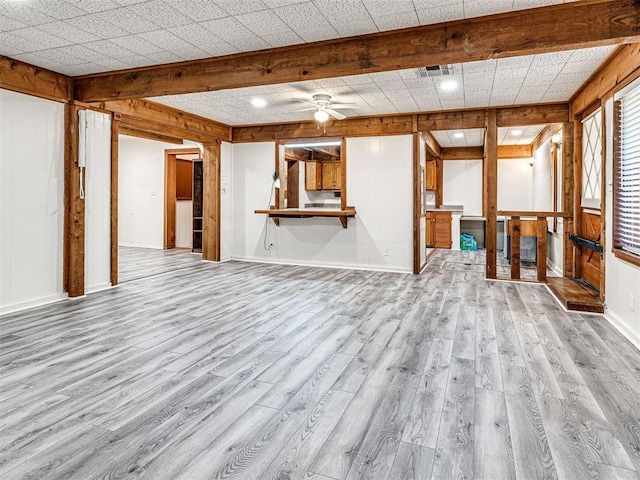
(331, 176)
(312, 176)
(431, 181)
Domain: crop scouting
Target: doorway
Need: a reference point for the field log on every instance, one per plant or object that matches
(179, 220)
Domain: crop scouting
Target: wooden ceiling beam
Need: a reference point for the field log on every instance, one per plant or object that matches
(527, 115)
(514, 151)
(620, 65)
(433, 147)
(462, 119)
(588, 23)
(132, 132)
(24, 78)
(462, 153)
(152, 117)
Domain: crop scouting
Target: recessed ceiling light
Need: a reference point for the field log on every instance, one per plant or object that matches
(449, 85)
(516, 132)
(458, 135)
(258, 102)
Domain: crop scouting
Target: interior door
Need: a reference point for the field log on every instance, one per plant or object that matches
(293, 184)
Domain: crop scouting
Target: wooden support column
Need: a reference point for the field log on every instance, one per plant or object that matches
(571, 192)
(74, 218)
(439, 181)
(416, 196)
(211, 202)
(515, 248)
(490, 178)
(541, 255)
(115, 126)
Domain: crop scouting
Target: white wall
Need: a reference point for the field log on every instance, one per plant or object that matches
(542, 192)
(379, 180)
(462, 185)
(31, 201)
(515, 184)
(141, 192)
(98, 202)
(622, 279)
(226, 236)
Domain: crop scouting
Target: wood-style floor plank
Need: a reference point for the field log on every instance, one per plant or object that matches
(250, 371)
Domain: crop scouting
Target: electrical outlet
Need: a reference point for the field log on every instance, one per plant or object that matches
(632, 303)
(385, 251)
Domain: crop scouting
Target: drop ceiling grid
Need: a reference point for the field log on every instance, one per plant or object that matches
(474, 137)
(503, 82)
(153, 32)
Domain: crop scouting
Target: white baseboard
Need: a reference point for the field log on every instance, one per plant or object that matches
(372, 268)
(623, 328)
(38, 302)
(125, 244)
(98, 288)
(554, 268)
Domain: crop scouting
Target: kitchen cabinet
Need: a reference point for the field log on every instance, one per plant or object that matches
(313, 175)
(431, 181)
(331, 176)
(439, 229)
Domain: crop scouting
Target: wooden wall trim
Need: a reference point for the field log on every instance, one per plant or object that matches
(114, 201)
(31, 80)
(211, 202)
(74, 218)
(515, 151)
(587, 23)
(462, 153)
(152, 117)
(622, 63)
(571, 185)
(417, 194)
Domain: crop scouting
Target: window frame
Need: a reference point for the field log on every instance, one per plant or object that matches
(616, 248)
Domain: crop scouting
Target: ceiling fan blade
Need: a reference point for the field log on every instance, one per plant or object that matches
(335, 114)
(307, 109)
(304, 101)
(343, 106)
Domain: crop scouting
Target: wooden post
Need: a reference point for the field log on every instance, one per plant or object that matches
(515, 248)
(211, 202)
(416, 202)
(170, 195)
(74, 243)
(490, 180)
(439, 181)
(541, 255)
(115, 125)
(571, 193)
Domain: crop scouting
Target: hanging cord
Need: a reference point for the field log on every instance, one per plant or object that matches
(266, 222)
(81, 183)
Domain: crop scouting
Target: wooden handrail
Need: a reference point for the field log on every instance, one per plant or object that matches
(513, 213)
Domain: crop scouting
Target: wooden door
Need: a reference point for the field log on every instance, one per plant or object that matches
(431, 176)
(441, 222)
(293, 184)
(591, 262)
(429, 230)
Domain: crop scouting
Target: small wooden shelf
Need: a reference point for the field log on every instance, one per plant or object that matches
(277, 214)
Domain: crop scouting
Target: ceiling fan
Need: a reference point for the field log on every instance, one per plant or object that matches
(324, 108)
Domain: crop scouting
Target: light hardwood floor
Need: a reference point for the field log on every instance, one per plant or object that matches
(250, 371)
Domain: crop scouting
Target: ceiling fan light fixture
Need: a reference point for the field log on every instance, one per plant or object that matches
(321, 115)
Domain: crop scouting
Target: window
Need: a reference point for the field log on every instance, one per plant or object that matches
(592, 160)
(626, 171)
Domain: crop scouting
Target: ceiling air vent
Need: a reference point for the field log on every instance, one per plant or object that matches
(435, 71)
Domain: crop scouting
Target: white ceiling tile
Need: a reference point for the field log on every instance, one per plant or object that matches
(7, 24)
(348, 18)
(68, 31)
(137, 44)
(61, 9)
(281, 3)
(160, 14)
(109, 48)
(96, 24)
(235, 7)
(202, 38)
(198, 11)
(480, 8)
(397, 20)
(307, 21)
(282, 39)
(264, 22)
(167, 41)
(93, 6)
(41, 37)
(11, 44)
(385, 7)
(24, 13)
(444, 13)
